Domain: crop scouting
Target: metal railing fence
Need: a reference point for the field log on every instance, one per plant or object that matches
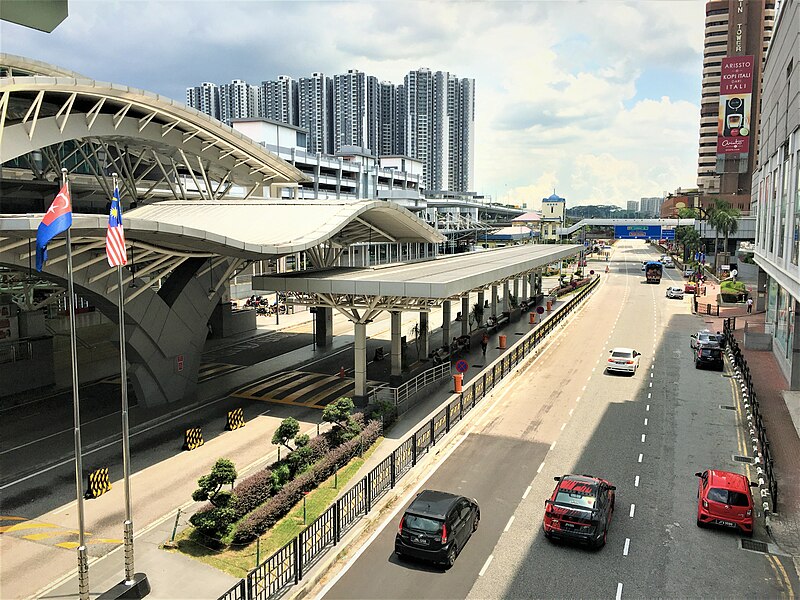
(287, 566)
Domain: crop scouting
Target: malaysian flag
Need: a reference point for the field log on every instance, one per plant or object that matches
(115, 236)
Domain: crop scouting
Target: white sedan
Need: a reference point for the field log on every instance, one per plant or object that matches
(623, 359)
(674, 292)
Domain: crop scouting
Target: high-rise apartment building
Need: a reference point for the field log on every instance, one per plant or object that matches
(356, 111)
(461, 112)
(633, 206)
(650, 207)
(737, 33)
(278, 100)
(427, 125)
(205, 98)
(387, 140)
(315, 110)
(237, 100)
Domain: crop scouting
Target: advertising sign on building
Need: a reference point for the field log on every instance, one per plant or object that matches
(637, 232)
(735, 94)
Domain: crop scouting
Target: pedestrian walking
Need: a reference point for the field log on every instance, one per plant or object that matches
(484, 343)
(749, 305)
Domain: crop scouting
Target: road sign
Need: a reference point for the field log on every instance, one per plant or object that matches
(667, 234)
(462, 366)
(637, 232)
(540, 309)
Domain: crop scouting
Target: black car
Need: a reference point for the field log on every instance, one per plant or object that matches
(708, 356)
(436, 526)
(580, 510)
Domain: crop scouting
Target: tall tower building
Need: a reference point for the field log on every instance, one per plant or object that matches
(314, 111)
(737, 33)
(356, 111)
(387, 122)
(401, 110)
(238, 100)
(278, 100)
(438, 127)
(205, 98)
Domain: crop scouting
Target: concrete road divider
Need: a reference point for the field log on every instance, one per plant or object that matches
(235, 419)
(193, 438)
(97, 483)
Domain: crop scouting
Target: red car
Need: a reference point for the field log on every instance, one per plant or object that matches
(690, 287)
(724, 499)
(580, 510)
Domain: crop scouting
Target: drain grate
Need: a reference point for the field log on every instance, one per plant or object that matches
(743, 459)
(727, 407)
(754, 545)
(518, 333)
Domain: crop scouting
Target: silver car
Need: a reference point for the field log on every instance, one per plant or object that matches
(703, 338)
(675, 292)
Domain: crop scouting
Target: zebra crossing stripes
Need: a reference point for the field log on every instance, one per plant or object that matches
(299, 388)
(207, 371)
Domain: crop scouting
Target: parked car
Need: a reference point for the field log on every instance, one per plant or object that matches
(580, 510)
(623, 359)
(723, 498)
(703, 338)
(690, 287)
(708, 356)
(436, 526)
(674, 292)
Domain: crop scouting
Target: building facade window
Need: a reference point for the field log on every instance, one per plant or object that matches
(773, 202)
(784, 306)
(796, 232)
(784, 206)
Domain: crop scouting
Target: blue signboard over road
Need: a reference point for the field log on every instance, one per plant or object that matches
(637, 232)
(667, 234)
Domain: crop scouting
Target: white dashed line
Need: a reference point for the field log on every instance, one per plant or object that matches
(491, 558)
(640, 457)
(633, 510)
(578, 399)
(653, 366)
(553, 445)
(651, 375)
(571, 410)
(584, 389)
(651, 384)
(619, 592)
(627, 546)
(643, 437)
(645, 421)
(527, 491)
(541, 466)
(508, 525)
(562, 426)
(648, 408)
(636, 482)
(649, 395)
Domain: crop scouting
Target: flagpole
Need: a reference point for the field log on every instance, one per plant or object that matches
(83, 565)
(126, 449)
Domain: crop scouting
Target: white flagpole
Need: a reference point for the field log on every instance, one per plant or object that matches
(83, 564)
(126, 448)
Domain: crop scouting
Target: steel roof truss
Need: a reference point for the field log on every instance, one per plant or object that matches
(93, 113)
(145, 121)
(120, 115)
(65, 111)
(234, 264)
(376, 229)
(35, 107)
(191, 174)
(3, 112)
(167, 127)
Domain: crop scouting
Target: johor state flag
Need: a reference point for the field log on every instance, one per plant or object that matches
(57, 219)
(115, 237)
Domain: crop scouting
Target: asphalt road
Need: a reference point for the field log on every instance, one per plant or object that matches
(648, 434)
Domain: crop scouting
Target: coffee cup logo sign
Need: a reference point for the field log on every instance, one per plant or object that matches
(736, 87)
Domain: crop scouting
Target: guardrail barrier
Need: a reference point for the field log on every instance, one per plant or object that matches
(193, 438)
(97, 483)
(235, 419)
(287, 566)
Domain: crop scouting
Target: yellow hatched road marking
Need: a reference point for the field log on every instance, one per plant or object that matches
(26, 525)
(304, 390)
(294, 382)
(330, 391)
(67, 545)
(250, 391)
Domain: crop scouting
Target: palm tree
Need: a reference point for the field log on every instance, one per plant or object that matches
(712, 217)
(727, 222)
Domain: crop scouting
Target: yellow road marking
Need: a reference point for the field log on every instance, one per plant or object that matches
(304, 390)
(26, 525)
(68, 545)
(7, 518)
(250, 391)
(331, 390)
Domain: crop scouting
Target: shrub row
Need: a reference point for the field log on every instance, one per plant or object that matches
(264, 517)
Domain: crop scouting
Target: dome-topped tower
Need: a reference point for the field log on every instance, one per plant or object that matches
(554, 212)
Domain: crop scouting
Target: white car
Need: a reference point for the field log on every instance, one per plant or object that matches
(668, 263)
(674, 292)
(623, 359)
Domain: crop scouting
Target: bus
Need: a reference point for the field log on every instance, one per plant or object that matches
(652, 271)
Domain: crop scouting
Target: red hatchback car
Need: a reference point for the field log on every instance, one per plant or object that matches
(724, 499)
(579, 510)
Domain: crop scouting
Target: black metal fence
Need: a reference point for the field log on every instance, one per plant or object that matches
(286, 567)
(755, 423)
(705, 309)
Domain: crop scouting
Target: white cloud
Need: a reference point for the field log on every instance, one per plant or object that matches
(587, 97)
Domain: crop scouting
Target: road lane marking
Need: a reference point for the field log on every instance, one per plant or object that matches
(528, 489)
(578, 399)
(619, 592)
(627, 547)
(645, 421)
(508, 525)
(651, 375)
(651, 384)
(571, 410)
(486, 565)
(553, 445)
(633, 510)
(562, 426)
(648, 408)
(640, 457)
(643, 437)
(649, 395)
(636, 482)
(584, 389)
(539, 470)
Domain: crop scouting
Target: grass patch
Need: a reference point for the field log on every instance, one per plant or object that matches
(732, 287)
(239, 560)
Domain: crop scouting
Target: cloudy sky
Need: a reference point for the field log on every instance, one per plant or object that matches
(596, 99)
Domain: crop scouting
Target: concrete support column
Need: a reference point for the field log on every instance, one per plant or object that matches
(446, 322)
(525, 287)
(397, 352)
(424, 343)
(481, 298)
(516, 290)
(465, 315)
(494, 301)
(506, 304)
(360, 349)
(324, 326)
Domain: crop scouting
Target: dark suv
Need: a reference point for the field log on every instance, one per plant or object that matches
(580, 510)
(708, 356)
(436, 526)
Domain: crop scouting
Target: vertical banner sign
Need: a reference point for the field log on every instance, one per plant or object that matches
(735, 93)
